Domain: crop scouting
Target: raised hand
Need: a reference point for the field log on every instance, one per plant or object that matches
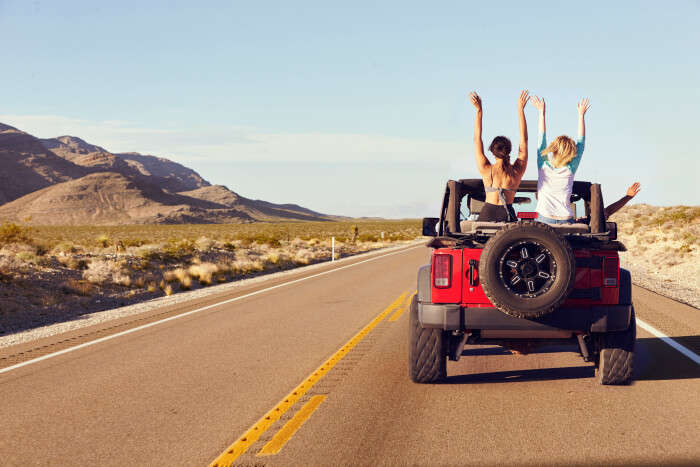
(522, 100)
(634, 189)
(538, 102)
(475, 100)
(583, 106)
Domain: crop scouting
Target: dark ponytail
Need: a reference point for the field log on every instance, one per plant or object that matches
(501, 147)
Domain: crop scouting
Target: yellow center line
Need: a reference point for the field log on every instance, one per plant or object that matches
(404, 306)
(287, 431)
(247, 439)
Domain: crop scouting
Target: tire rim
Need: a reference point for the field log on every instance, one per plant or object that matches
(527, 269)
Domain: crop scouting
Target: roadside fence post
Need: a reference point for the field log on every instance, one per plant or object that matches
(332, 248)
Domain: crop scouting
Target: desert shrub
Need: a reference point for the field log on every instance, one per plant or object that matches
(73, 262)
(77, 287)
(204, 243)
(177, 251)
(121, 278)
(265, 239)
(178, 275)
(103, 241)
(229, 246)
(368, 238)
(224, 266)
(100, 271)
(64, 248)
(203, 272)
(150, 254)
(303, 256)
(690, 239)
(685, 248)
(13, 233)
(27, 257)
(135, 242)
(272, 257)
(186, 283)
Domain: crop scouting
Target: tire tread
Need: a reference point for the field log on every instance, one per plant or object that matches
(427, 352)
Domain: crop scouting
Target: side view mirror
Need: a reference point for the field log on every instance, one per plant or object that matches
(429, 224)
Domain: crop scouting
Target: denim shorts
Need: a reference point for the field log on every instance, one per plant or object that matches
(547, 220)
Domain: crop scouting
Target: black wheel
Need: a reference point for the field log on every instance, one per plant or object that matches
(527, 270)
(616, 358)
(427, 353)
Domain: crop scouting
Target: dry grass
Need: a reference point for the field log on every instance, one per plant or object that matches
(663, 242)
(272, 234)
(66, 269)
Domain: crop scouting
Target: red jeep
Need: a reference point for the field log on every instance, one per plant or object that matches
(522, 285)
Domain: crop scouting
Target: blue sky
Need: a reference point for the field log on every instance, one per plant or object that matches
(360, 109)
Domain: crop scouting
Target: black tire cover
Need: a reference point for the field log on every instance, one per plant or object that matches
(530, 283)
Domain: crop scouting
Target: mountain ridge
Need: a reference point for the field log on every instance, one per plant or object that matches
(67, 180)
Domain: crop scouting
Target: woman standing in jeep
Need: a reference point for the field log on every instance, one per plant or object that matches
(555, 178)
(501, 179)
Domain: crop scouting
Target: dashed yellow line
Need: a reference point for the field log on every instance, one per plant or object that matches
(287, 431)
(247, 439)
(404, 306)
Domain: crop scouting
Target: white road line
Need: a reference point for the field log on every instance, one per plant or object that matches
(682, 349)
(187, 313)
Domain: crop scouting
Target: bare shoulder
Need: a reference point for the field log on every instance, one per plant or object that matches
(519, 167)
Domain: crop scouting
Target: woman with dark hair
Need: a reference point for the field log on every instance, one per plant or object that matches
(501, 179)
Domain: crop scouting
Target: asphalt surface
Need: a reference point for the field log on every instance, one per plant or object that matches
(182, 392)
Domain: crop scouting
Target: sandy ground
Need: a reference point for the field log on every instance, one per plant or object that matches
(663, 246)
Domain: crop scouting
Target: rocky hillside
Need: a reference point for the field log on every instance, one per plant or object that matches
(255, 208)
(26, 165)
(663, 246)
(167, 174)
(66, 180)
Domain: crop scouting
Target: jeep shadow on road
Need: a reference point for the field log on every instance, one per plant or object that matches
(655, 361)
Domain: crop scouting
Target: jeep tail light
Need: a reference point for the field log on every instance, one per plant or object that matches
(611, 268)
(442, 271)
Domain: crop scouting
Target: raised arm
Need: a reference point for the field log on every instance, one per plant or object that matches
(482, 163)
(582, 107)
(617, 205)
(521, 162)
(539, 104)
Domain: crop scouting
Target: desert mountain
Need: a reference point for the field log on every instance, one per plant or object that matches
(257, 209)
(175, 177)
(26, 165)
(169, 175)
(112, 198)
(66, 180)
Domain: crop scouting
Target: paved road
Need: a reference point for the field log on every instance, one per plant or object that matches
(181, 392)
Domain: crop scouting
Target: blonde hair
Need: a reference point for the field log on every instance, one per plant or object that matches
(563, 150)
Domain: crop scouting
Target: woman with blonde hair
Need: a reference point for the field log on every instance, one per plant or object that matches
(556, 167)
(501, 179)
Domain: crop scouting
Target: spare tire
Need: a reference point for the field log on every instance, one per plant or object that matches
(527, 270)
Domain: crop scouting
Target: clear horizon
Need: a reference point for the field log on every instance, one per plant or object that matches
(361, 110)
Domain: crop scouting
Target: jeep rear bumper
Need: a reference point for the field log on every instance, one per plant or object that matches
(451, 317)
